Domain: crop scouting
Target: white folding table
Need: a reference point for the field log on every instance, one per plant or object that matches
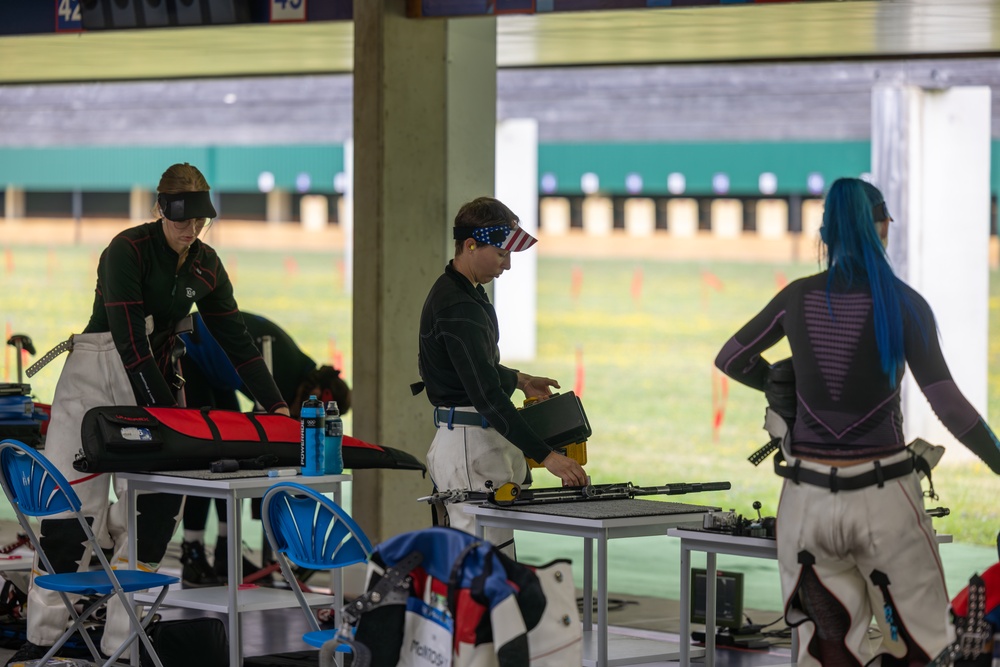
(232, 487)
(600, 521)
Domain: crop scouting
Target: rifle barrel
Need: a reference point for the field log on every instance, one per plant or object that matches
(680, 488)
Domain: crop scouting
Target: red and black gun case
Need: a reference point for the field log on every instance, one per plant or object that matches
(132, 438)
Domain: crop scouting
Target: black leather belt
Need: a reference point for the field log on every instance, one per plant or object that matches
(879, 475)
(450, 416)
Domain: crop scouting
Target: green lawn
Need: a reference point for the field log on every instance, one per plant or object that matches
(647, 332)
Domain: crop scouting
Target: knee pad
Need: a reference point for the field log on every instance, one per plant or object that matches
(831, 620)
(63, 541)
(155, 523)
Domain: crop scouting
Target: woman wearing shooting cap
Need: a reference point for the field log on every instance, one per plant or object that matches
(853, 539)
(481, 436)
(148, 279)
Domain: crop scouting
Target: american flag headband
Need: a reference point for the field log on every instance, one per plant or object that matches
(505, 237)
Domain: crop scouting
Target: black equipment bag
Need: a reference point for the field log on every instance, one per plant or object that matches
(188, 642)
(559, 420)
(132, 438)
(19, 418)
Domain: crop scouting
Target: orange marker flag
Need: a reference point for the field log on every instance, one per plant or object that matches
(637, 279)
(576, 283)
(720, 394)
(336, 356)
(6, 355)
(780, 280)
(709, 281)
(578, 385)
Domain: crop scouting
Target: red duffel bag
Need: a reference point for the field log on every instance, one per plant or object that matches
(132, 438)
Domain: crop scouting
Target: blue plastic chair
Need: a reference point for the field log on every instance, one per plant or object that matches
(35, 488)
(310, 530)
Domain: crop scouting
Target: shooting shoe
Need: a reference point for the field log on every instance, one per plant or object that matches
(28, 651)
(197, 572)
(222, 564)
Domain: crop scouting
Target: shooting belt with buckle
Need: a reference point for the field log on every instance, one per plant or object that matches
(65, 346)
(877, 476)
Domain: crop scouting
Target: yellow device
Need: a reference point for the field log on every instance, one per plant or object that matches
(567, 413)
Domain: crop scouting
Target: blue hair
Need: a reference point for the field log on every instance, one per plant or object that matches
(855, 257)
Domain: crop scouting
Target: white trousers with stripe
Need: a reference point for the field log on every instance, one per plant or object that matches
(850, 535)
(92, 376)
(466, 457)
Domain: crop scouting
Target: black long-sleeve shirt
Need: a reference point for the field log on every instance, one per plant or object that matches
(847, 408)
(137, 276)
(459, 359)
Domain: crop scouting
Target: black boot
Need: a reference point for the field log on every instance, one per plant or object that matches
(28, 651)
(221, 557)
(197, 572)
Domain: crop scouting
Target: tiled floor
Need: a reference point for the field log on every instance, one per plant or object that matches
(279, 631)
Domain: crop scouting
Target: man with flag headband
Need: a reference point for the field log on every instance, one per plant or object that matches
(481, 436)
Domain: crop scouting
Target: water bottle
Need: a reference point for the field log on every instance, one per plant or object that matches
(333, 456)
(311, 420)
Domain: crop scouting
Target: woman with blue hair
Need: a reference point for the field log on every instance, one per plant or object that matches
(853, 538)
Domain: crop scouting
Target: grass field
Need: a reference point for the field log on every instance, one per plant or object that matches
(646, 333)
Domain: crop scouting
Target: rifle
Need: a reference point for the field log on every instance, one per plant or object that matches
(513, 494)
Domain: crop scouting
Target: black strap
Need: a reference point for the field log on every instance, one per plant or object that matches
(397, 577)
(66, 345)
(216, 433)
(758, 457)
(922, 465)
(261, 433)
(831, 480)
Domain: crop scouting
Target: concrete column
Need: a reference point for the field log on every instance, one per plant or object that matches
(931, 158)
(424, 127)
(772, 218)
(682, 217)
(727, 218)
(140, 204)
(13, 203)
(314, 212)
(279, 206)
(640, 216)
(515, 295)
(598, 216)
(346, 212)
(554, 216)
